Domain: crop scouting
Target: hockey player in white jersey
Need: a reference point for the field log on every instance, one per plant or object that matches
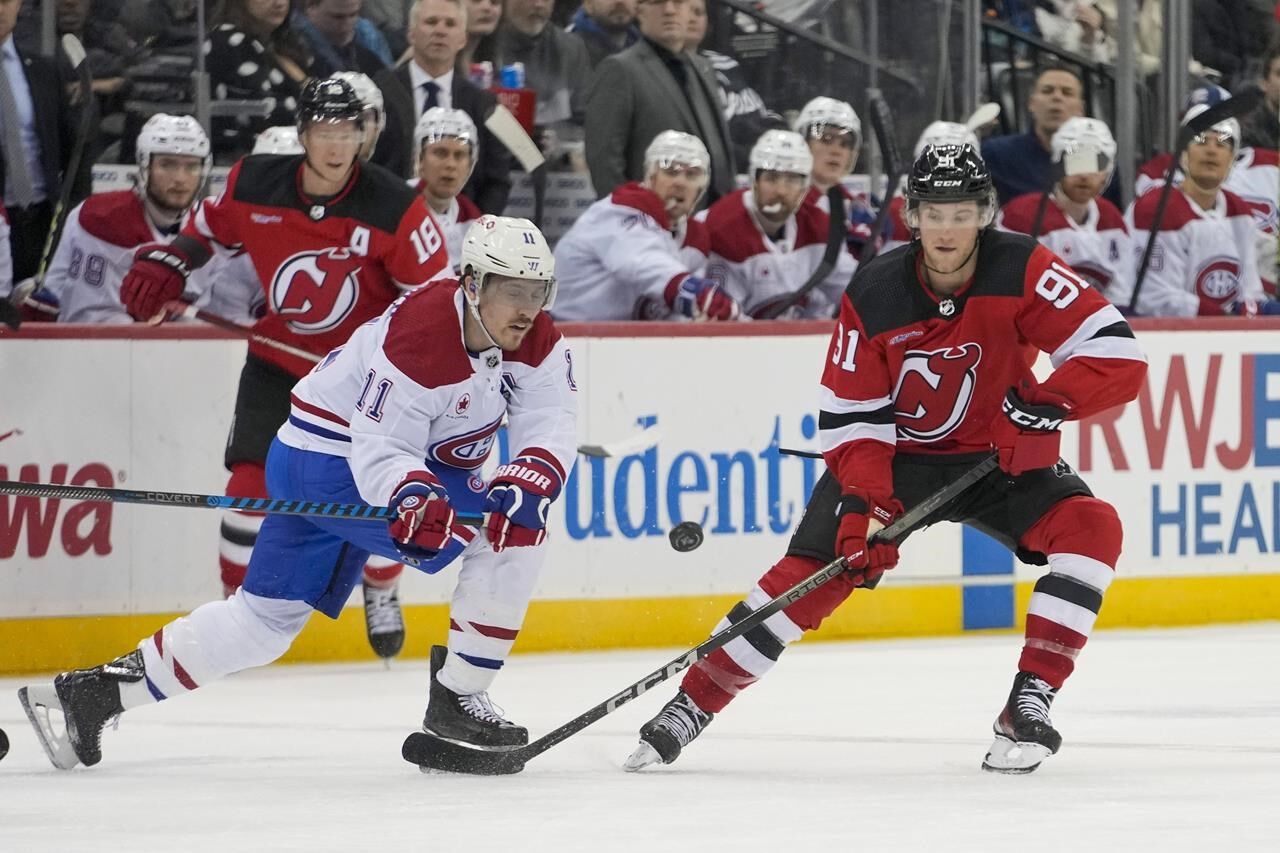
(361, 424)
(446, 146)
(638, 253)
(1204, 262)
(834, 133)
(102, 232)
(766, 241)
(937, 133)
(1075, 221)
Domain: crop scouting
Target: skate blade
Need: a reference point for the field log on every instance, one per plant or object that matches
(431, 752)
(37, 701)
(1014, 757)
(644, 756)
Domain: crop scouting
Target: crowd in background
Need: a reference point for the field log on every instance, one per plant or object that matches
(743, 212)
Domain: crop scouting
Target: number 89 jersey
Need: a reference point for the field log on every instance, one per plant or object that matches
(909, 370)
(326, 266)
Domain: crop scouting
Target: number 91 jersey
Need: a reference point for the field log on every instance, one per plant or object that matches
(326, 266)
(910, 370)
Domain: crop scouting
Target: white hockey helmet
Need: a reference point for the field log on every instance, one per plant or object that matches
(507, 246)
(781, 151)
(169, 134)
(945, 133)
(1227, 129)
(278, 140)
(439, 123)
(823, 112)
(672, 147)
(1083, 145)
(370, 98)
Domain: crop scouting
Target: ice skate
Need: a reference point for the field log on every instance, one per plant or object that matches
(1024, 734)
(662, 738)
(470, 718)
(383, 620)
(88, 699)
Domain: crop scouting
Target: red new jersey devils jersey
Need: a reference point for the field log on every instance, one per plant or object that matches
(326, 267)
(909, 370)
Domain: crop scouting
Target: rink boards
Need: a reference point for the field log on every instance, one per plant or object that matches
(1191, 466)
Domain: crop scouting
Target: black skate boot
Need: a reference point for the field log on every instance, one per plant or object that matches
(1024, 734)
(383, 620)
(469, 718)
(662, 738)
(88, 700)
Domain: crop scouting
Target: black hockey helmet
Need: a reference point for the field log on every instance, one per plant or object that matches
(946, 174)
(327, 99)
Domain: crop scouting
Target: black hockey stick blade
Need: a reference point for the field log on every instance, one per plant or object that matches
(430, 751)
(836, 231)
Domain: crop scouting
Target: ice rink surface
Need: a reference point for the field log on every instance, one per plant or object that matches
(1172, 743)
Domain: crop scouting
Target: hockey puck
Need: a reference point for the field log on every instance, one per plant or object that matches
(686, 536)
(4, 744)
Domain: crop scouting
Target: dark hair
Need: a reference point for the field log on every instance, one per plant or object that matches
(283, 41)
(1073, 70)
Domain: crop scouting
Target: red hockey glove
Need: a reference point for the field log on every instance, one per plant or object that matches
(519, 496)
(158, 275)
(423, 517)
(860, 518)
(700, 299)
(1026, 430)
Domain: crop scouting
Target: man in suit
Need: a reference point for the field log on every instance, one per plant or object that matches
(653, 86)
(437, 32)
(37, 132)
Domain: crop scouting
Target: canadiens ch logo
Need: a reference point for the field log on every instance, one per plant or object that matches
(1219, 278)
(935, 388)
(467, 451)
(315, 291)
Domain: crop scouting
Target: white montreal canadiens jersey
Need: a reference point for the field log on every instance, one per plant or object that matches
(404, 393)
(1098, 249)
(1255, 177)
(95, 251)
(757, 271)
(454, 224)
(1203, 260)
(620, 250)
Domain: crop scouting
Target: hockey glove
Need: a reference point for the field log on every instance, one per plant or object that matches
(860, 518)
(1026, 430)
(158, 275)
(423, 518)
(700, 299)
(1254, 307)
(519, 496)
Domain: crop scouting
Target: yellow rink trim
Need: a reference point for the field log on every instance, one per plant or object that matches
(44, 645)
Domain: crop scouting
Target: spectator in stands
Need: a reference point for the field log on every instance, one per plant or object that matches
(1204, 262)
(483, 17)
(637, 254)
(388, 18)
(446, 143)
(834, 133)
(653, 86)
(437, 32)
(1227, 34)
(38, 126)
(1080, 226)
(329, 27)
(766, 242)
(744, 109)
(1077, 26)
(252, 53)
(109, 48)
(605, 27)
(160, 24)
(1261, 127)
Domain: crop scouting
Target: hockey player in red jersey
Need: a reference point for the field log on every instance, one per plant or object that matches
(929, 368)
(334, 242)
(937, 133)
(404, 415)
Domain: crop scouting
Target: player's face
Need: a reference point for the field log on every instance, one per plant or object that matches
(483, 16)
(1056, 98)
(173, 180)
(696, 27)
(508, 307)
(332, 148)
(778, 194)
(948, 232)
(444, 166)
(679, 186)
(1208, 159)
(834, 155)
(268, 13)
(1085, 187)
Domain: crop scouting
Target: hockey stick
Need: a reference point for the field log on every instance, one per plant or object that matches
(191, 312)
(434, 752)
(837, 230)
(882, 124)
(1233, 107)
(503, 125)
(983, 115)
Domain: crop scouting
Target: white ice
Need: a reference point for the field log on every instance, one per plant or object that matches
(1172, 744)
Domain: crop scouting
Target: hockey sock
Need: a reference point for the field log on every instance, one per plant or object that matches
(381, 572)
(1082, 538)
(240, 529)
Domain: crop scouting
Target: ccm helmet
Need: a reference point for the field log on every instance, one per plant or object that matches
(948, 174)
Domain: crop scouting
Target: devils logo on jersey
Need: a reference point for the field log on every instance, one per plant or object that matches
(466, 451)
(934, 390)
(1219, 279)
(315, 291)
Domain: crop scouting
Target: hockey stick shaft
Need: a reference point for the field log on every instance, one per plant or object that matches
(882, 125)
(836, 230)
(191, 312)
(274, 506)
(421, 748)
